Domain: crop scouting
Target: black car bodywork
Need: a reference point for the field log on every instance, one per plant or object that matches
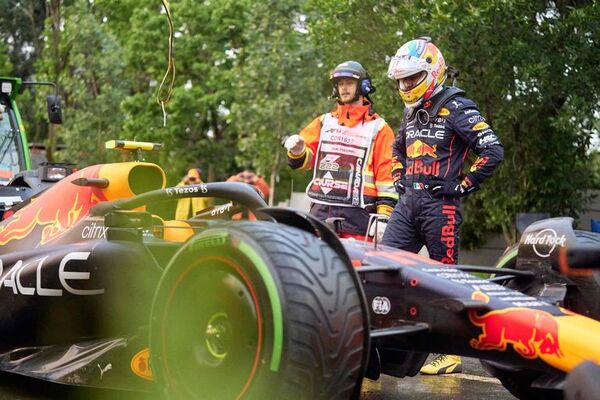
(98, 291)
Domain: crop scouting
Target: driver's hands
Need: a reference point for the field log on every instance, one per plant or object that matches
(399, 183)
(451, 189)
(295, 145)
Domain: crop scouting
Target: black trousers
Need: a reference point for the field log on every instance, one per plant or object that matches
(418, 220)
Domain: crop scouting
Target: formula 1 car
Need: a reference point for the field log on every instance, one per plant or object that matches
(97, 290)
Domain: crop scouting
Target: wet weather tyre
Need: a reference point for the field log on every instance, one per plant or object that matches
(258, 310)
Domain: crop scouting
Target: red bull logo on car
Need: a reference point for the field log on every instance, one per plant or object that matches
(419, 149)
(532, 333)
(559, 338)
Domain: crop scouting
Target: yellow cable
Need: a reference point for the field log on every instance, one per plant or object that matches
(160, 99)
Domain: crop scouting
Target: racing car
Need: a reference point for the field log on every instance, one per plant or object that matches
(100, 290)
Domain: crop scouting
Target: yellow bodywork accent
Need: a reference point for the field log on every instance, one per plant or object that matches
(140, 364)
(578, 339)
(118, 178)
(132, 145)
(177, 231)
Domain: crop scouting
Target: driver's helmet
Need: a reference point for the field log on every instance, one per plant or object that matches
(353, 70)
(420, 70)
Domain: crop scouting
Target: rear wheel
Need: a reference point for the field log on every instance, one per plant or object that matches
(258, 310)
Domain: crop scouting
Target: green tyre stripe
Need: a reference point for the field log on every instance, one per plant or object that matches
(507, 257)
(265, 274)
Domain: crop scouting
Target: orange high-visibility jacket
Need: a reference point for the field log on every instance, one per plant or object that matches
(378, 187)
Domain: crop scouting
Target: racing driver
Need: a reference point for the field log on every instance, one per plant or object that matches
(349, 151)
(438, 129)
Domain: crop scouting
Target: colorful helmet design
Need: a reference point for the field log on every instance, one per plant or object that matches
(420, 70)
(353, 70)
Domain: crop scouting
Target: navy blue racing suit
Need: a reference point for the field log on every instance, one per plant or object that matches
(430, 150)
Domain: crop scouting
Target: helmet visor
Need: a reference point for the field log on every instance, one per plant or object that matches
(343, 74)
(412, 81)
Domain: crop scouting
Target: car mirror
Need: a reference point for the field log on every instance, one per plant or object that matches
(579, 259)
(54, 110)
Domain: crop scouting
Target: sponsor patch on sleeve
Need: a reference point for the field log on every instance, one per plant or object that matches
(443, 112)
(480, 125)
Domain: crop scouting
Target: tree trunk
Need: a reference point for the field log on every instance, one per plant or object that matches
(509, 234)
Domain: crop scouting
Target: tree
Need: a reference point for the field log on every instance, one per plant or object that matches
(279, 85)
(21, 25)
(5, 64)
(21, 43)
(87, 61)
(198, 128)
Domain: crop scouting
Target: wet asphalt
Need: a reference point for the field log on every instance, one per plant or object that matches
(472, 384)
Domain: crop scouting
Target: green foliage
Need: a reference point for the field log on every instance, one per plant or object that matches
(278, 85)
(21, 23)
(90, 73)
(5, 64)
(198, 128)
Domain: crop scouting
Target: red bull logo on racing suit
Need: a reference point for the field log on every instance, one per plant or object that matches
(419, 149)
(447, 234)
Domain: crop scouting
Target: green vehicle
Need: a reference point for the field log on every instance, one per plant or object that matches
(14, 151)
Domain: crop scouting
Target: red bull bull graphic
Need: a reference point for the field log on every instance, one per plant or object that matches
(419, 149)
(532, 333)
(561, 340)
